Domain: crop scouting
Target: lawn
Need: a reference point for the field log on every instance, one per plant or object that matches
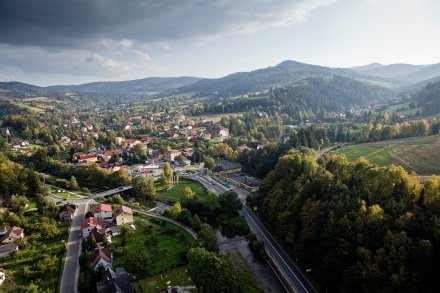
(175, 192)
(404, 108)
(373, 154)
(177, 277)
(172, 243)
(63, 194)
(418, 154)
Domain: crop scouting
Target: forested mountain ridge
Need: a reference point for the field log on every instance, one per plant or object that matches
(313, 94)
(358, 228)
(150, 84)
(429, 98)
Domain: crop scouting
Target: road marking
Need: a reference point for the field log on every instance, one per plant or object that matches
(250, 217)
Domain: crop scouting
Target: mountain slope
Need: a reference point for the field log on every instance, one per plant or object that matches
(429, 98)
(257, 80)
(151, 84)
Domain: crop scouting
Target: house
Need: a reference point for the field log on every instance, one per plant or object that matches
(131, 142)
(13, 234)
(102, 211)
(89, 126)
(172, 134)
(285, 138)
(219, 131)
(400, 115)
(82, 157)
(87, 225)
(2, 275)
(5, 131)
(108, 154)
(123, 215)
(101, 235)
(119, 140)
(261, 147)
(101, 256)
(65, 139)
(3, 230)
(171, 155)
(115, 230)
(118, 281)
(188, 152)
(68, 212)
(7, 249)
(243, 147)
(95, 134)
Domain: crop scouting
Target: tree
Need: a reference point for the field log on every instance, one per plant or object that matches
(167, 170)
(207, 237)
(212, 272)
(144, 187)
(92, 242)
(209, 162)
(196, 223)
(188, 194)
(177, 209)
(185, 217)
(229, 203)
(73, 184)
(212, 199)
(18, 204)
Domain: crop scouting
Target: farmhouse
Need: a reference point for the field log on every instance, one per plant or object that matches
(123, 215)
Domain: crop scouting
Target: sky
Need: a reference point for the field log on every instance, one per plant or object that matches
(49, 42)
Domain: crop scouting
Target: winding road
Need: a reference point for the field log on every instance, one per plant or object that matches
(294, 278)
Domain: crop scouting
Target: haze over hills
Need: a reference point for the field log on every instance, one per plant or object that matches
(403, 72)
(288, 73)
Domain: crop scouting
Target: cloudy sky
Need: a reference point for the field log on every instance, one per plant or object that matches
(49, 42)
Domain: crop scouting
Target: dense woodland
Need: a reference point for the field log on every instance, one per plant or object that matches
(357, 226)
(311, 98)
(428, 98)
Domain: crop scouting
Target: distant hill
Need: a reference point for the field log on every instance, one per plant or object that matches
(247, 82)
(429, 98)
(397, 77)
(151, 84)
(406, 73)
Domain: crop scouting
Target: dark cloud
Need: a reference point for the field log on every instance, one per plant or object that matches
(80, 23)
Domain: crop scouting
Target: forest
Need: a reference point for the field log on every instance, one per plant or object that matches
(359, 228)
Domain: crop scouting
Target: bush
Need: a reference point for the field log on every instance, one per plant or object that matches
(239, 225)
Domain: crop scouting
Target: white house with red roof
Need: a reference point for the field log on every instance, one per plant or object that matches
(87, 225)
(123, 215)
(102, 211)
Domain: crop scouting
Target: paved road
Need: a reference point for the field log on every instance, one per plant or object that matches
(69, 280)
(186, 228)
(111, 192)
(290, 272)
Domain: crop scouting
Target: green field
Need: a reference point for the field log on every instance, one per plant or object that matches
(176, 277)
(418, 154)
(373, 154)
(404, 108)
(176, 191)
(172, 243)
(63, 194)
